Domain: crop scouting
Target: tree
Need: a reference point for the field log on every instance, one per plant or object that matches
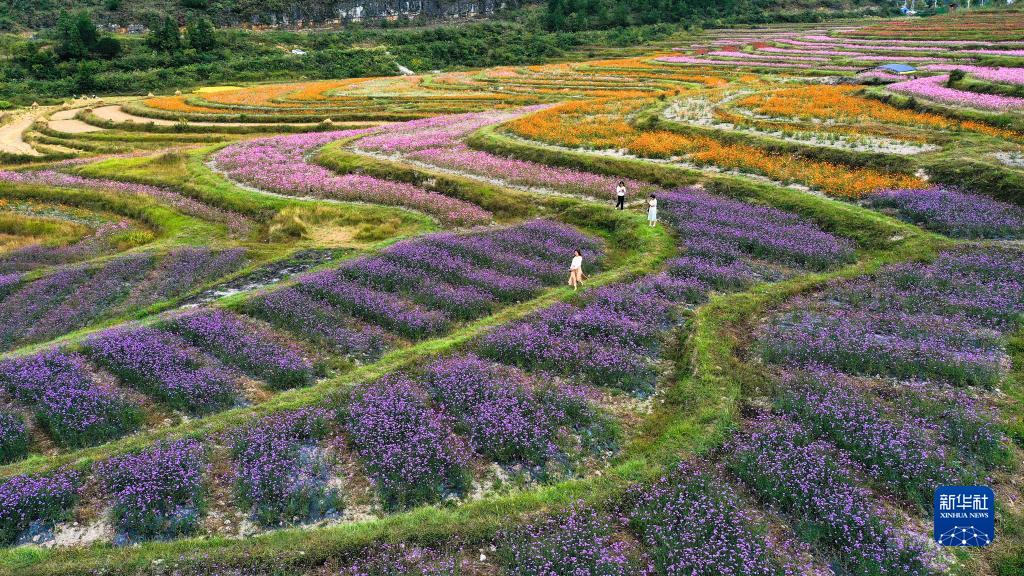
(165, 36)
(108, 47)
(70, 45)
(200, 34)
(86, 30)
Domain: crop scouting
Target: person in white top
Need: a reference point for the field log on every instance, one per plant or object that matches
(620, 195)
(576, 270)
(652, 210)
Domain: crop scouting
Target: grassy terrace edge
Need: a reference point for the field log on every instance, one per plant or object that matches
(699, 409)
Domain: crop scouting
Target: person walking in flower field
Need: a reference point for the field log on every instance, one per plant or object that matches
(576, 270)
(620, 195)
(652, 210)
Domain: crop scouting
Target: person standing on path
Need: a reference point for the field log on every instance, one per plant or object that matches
(576, 270)
(620, 195)
(652, 210)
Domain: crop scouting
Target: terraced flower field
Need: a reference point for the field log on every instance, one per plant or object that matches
(324, 327)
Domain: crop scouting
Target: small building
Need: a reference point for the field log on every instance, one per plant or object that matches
(900, 69)
(298, 52)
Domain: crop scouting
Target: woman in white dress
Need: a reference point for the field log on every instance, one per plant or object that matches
(576, 270)
(652, 210)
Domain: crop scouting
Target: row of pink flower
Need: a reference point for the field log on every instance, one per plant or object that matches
(279, 164)
(442, 145)
(770, 57)
(524, 172)
(860, 47)
(933, 88)
(1017, 53)
(237, 223)
(902, 43)
(752, 63)
(831, 45)
(855, 55)
(1005, 75)
(415, 135)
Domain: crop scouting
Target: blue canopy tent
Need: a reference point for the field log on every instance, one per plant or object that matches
(898, 68)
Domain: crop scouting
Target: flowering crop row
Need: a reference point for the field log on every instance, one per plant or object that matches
(238, 224)
(278, 474)
(577, 541)
(100, 241)
(29, 499)
(13, 437)
(408, 448)
(840, 103)
(75, 409)
(896, 451)
(602, 126)
(692, 524)
(601, 343)
(279, 164)
(954, 213)
(77, 296)
(934, 88)
(809, 481)
(244, 344)
(164, 366)
(418, 287)
(939, 321)
(91, 298)
(714, 227)
(442, 145)
(292, 309)
(503, 414)
(415, 433)
(158, 491)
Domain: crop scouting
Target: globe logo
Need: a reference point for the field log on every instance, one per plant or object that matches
(964, 516)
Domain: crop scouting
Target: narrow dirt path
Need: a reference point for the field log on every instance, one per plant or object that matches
(11, 140)
(64, 121)
(115, 113)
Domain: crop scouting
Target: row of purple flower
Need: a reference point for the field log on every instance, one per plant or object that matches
(416, 288)
(77, 296)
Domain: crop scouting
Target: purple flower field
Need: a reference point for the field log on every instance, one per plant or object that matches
(419, 288)
(238, 224)
(809, 480)
(77, 296)
(13, 437)
(402, 560)
(693, 524)
(893, 448)
(242, 343)
(954, 213)
(164, 366)
(409, 449)
(29, 499)
(37, 256)
(577, 541)
(441, 144)
(938, 321)
(157, 492)
(509, 417)
(756, 231)
(279, 164)
(277, 471)
(76, 410)
(292, 309)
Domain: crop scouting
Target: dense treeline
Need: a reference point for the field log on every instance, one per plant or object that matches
(168, 58)
(602, 14)
(40, 14)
